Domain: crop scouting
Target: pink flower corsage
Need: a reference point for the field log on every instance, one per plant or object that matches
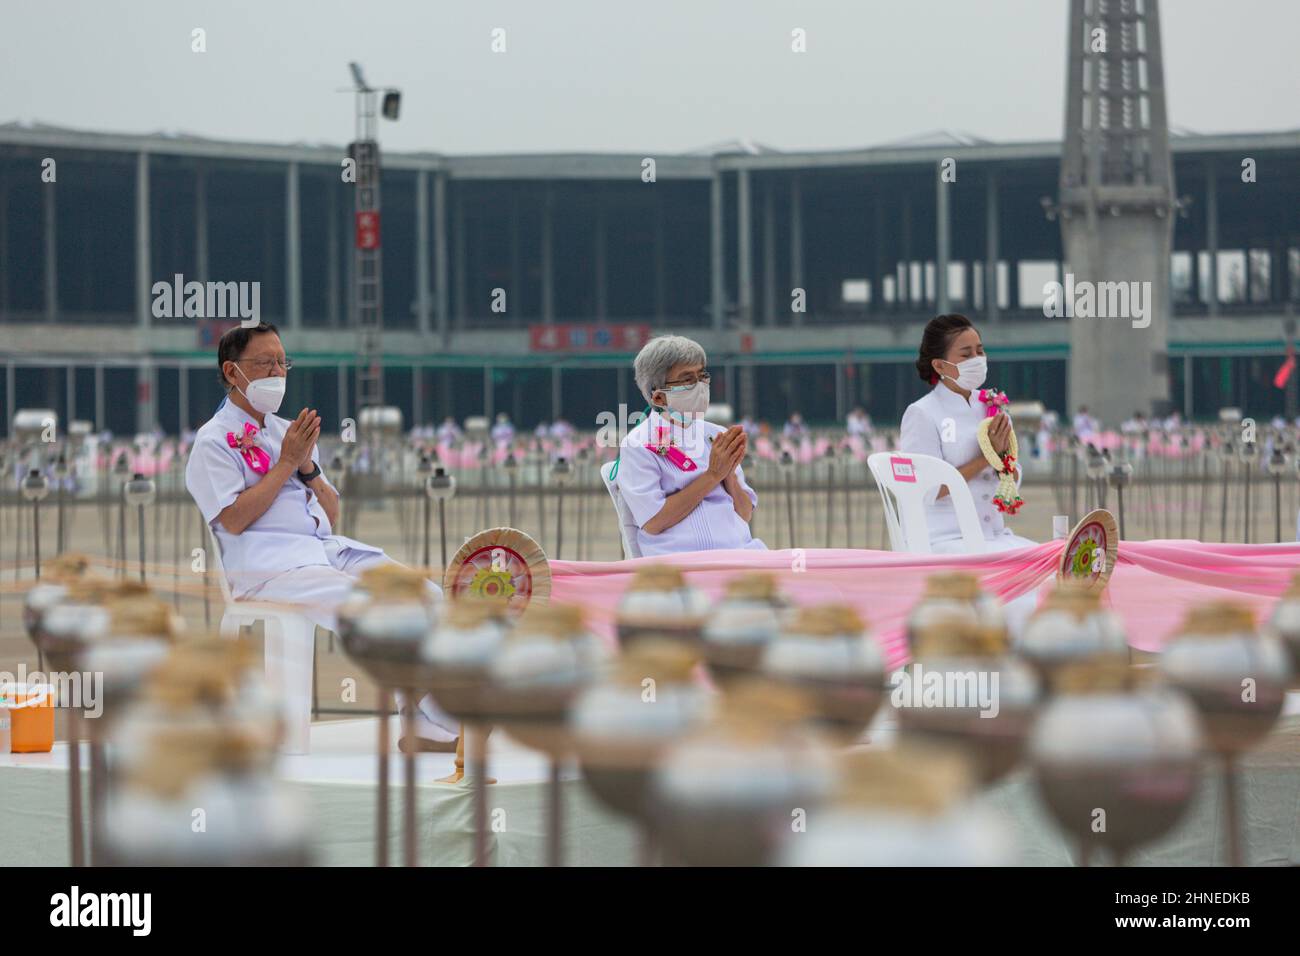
(246, 445)
(670, 451)
(994, 400)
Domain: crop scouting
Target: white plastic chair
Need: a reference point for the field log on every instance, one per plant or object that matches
(289, 644)
(904, 479)
(627, 526)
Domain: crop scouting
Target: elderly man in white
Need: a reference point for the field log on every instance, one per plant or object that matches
(679, 474)
(257, 480)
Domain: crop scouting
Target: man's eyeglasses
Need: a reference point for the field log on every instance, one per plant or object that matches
(704, 377)
(267, 364)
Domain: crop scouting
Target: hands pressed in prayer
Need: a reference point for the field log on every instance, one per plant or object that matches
(1000, 433)
(727, 452)
(300, 439)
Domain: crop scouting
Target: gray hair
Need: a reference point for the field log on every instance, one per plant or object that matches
(660, 355)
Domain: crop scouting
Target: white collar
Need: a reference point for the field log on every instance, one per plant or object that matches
(231, 413)
(953, 398)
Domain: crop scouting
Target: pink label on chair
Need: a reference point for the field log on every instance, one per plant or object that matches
(903, 469)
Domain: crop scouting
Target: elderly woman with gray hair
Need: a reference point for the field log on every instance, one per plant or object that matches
(680, 475)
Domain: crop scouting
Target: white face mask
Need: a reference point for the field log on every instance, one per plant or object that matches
(689, 400)
(264, 394)
(970, 373)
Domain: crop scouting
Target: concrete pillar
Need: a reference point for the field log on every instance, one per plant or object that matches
(69, 396)
(744, 250)
(331, 259)
(548, 258)
(1212, 236)
(1187, 388)
(440, 290)
(598, 261)
(11, 392)
(146, 394)
(796, 241)
(1282, 269)
(422, 251)
(50, 223)
(489, 396)
(992, 309)
(841, 409)
(716, 263)
(343, 394)
(143, 265)
(905, 299)
(943, 243)
(1013, 284)
(201, 264)
(183, 397)
(878, 256)
(293, 248)
(417, 395)
(769, 254)
(99, 394)
(458, 243)
(4, 244)
(661, 284)
(516, 299)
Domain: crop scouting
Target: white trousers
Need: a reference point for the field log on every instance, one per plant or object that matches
(318, 592)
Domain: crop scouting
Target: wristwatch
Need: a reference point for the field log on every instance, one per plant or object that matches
(311, 475)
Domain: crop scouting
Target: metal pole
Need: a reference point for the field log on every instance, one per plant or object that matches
(555, 817)
(77, 840)
(428, 513)
(442, 530)
(1277, 508)
(381, 811)
(140, 528)
(36, 527)
(409, 855)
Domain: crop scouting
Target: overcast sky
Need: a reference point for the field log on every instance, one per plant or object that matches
(655, 75)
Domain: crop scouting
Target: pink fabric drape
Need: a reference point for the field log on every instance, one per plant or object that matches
(1154, 583)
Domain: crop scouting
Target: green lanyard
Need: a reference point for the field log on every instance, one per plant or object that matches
(613, 472)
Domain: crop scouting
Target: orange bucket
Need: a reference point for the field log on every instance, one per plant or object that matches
(29, 710)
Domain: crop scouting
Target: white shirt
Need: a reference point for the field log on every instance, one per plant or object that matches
(291, 533)
(645, 480)
(943, 414)
(858, 425)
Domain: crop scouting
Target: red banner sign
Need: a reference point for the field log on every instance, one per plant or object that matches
(368, 230)
(577, 337)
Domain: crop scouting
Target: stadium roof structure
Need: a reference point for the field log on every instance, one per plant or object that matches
(701, 162)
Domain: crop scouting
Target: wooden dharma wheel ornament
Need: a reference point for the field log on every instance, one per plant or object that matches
(500, 564)
(1091, 550)
(506, 568)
